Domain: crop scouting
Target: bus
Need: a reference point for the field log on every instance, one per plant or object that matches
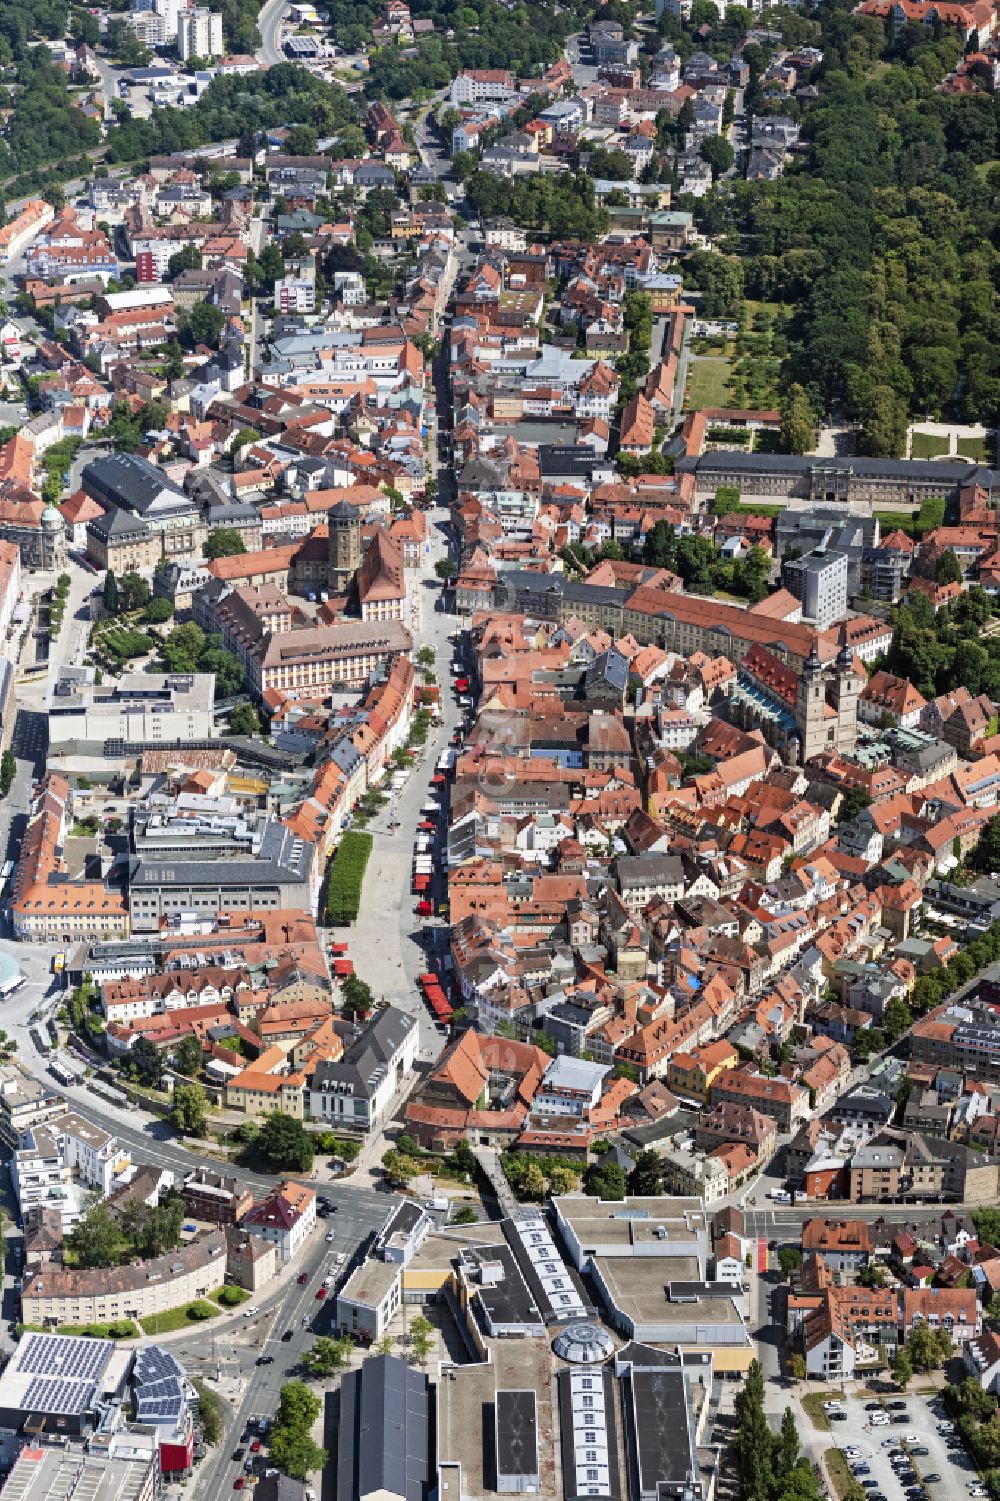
(62, 1073)
(59, 962)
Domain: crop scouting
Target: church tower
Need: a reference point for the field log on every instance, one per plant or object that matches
(810, 706)
(847, 685)
(344, 552)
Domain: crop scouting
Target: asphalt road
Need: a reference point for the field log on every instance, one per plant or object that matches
(269, 24)
(353, 1221)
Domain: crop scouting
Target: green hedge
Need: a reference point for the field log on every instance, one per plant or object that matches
(347, 872)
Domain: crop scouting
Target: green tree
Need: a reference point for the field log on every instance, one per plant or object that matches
(183, 648)
(223, 542)
(897, 1019)
(189, 1056)
(145, 1063)
(188, 258)
(883, 424)
(8, 771)
(798, 426)
(754, 1442)
(614, 166)
(718, 153)
(202, 323)
(797, 1367)
(421, 1338)
(789, 1259)
(607, 1182)
(286, 1143)
(399, 1169)
(210, 1411)
(947, 568)
(646, 1177)
(300, 141)
(356, 997)
(158, 611)
(926, 1349)
(134, 591)
(445, 569)
(244, 720)
(111, 599)
(786, 1449)
(189, 1110)
(291, 1444)
(327, 1356)
(95, 1241)
(854, 801)
(902, 1369)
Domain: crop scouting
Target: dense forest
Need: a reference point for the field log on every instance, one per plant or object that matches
(884, 237)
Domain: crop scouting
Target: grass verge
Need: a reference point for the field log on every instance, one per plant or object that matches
(812, 1402)
(839, 1472)
(196, 1312)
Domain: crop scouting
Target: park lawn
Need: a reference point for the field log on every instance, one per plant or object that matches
(773, 308)
(176, 1318)
(928, 445)
(707, 383)
(976, 449)
(812, 1402)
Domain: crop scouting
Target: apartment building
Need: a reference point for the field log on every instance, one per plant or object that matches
(199, 34)
(59, 1295)
(285, 1219)
(25, 1102)
(216, 1198)
(786, 1103)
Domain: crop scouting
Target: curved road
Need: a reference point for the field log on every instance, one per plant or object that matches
(269, 25)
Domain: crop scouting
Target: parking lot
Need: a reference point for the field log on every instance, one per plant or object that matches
(877, 1443)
